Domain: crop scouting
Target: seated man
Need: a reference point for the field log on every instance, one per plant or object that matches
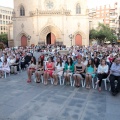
(115, 75)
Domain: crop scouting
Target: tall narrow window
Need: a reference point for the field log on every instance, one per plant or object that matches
(78, 9)
(22, 11)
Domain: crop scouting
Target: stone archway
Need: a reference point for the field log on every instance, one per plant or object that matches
(56, 34)
(21, 39)
(80, 38)
(50, 38)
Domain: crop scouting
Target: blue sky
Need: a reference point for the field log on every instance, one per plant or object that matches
(91, 3)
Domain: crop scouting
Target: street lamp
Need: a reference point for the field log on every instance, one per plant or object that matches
(71, 36)
(29, 37)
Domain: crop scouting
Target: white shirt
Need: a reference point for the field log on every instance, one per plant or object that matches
(12, 61)
(102, 69)
(85, 63)
(59, 67)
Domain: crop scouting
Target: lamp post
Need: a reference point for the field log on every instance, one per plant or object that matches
(71, 36)
(29, 37)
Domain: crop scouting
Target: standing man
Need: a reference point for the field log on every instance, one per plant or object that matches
(115, 75)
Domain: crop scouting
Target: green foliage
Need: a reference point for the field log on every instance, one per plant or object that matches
(103, 33)
(4, 38)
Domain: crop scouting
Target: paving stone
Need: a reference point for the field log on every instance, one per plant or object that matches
(22, 101)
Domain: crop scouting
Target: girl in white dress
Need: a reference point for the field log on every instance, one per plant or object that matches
(5, 67)
(58, 70)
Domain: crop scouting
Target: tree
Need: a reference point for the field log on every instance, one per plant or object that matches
(4, 38)
(93, 33)
(103, 33)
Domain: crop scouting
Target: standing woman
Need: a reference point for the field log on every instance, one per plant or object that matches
(49, 69)
(69, 69)
(31, 68)
(58, 70)
(39, 69)
(79, 72)
(102, 72)
(90, 73)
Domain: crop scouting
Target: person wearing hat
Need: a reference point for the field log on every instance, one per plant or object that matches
(115, 75)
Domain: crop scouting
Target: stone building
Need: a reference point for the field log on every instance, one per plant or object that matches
(5, 18)
(50, 21)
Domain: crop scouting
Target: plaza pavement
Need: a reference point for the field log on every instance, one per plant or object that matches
(22, 101)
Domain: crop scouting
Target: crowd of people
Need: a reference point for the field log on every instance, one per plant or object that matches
(70, 63)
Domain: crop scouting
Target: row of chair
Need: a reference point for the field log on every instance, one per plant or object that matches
(72, 82)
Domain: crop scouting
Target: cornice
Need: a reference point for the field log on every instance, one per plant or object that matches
(50, 12)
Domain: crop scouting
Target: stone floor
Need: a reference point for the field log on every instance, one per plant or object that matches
(22, 101)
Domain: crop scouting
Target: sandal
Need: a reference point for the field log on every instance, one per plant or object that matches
(87, 87)
(45, 83)
(28, 81)
(99, 89)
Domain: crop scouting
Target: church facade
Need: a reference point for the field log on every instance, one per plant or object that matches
(50, 22)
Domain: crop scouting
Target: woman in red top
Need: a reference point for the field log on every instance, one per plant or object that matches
(49, 69)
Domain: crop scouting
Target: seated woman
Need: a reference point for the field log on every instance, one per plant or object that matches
(5, 67)
(69, 69)
(84, 61)
(17, 63)
(58, 70)
(79, 72)
(90, 73)
(102, 72)
(49, 69)
(12, 63)
(39, 69)
(31, 68)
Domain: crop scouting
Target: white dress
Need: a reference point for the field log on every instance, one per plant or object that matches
(58, 68)
(5, 68)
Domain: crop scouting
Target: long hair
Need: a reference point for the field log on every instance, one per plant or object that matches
(51, 58)
(5, 60)
(92, 63)
(71, 61)
(40, 62)
(34, 60)
(102, 60)
(59, 62)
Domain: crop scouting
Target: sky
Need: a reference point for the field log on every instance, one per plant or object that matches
(91, 3)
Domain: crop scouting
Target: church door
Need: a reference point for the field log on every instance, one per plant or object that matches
(78, 40)
(23, 41)
(50, 39)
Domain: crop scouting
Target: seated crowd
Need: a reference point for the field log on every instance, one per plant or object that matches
(78, 65)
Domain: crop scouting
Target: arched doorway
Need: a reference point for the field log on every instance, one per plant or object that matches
(50, 39)
(23, 41)
(78, 40)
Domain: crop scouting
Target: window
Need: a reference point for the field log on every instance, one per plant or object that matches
(4, 22)
(3, 16)
(78, 9)
(0, 21)
(0, 16)
(22, 11)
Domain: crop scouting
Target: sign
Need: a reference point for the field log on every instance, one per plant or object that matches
(62, 52)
